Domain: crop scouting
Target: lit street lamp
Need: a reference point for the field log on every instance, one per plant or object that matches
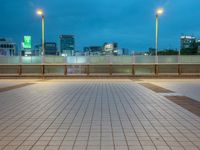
(41, 13)
(159, 12)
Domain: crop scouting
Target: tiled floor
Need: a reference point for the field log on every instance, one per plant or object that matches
(94, 115)
(186, 87)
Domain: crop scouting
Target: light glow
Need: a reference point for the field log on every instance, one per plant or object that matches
(159, 11)
(27, 42)
(40, 12)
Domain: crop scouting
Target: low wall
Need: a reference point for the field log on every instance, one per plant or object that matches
(65, 70)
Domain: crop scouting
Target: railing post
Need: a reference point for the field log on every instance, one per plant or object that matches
(110, 69)
(156, 69)
(88, 70)
(88, 66)
(133, 70)
(65, 73)
(20, 70)
(133, 65)
(179, 66)
(110, 65)
(43, 70)
(179, 70)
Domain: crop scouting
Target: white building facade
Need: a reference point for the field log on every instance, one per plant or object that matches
(7, 47)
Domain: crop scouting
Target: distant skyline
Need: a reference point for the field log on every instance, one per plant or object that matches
(93, 22)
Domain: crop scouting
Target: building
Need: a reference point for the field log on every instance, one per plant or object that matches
(49, 47)
(187, 42)
(37, 50)
(93, 50)
(67, 45)
(106, 49)
(125, 51)
(197, 45)
(110, 49)
(7, 47)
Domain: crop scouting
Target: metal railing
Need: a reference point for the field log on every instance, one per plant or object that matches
(100, 66)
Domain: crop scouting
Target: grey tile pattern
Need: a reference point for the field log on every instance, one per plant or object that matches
(94, 114)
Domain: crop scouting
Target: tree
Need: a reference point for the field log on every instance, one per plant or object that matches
(168, 52)
(190, 51)
(163, 52)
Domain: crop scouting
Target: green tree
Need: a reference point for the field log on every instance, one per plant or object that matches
(168, 52)
(190, 51)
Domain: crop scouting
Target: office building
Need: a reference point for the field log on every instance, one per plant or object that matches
(49, 47)
(188, 42)
(7, 47)
(67, 45)
(110, 49)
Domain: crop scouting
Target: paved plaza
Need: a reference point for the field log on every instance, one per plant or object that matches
(97, 114)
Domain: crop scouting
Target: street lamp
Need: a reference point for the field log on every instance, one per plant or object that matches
(159, 12)
(41, 13)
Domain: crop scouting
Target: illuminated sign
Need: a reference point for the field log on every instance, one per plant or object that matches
(27, 42)
(109, 47)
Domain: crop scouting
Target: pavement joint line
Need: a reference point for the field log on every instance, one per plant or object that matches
(74, 117)
(140, 108)
(162, 98)
(118, 114)
(102, 115)
(65, 106)
(171, 124)
(109, 110)
(185, 102)
(30, 125)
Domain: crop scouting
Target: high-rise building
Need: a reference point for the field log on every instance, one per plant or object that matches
(67, 45)
(7, 47)
(188, 42)
(49, 47)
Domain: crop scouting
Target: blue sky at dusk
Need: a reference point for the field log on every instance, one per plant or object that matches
(131, 23)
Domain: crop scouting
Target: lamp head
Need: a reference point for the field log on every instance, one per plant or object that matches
(159, 11)
(40, 12)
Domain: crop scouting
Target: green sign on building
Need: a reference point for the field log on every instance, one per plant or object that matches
(27, 42)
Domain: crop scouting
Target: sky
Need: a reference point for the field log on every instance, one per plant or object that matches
(130, 23)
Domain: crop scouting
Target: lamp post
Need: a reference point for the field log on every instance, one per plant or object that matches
(41, 13)
(159, 12)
